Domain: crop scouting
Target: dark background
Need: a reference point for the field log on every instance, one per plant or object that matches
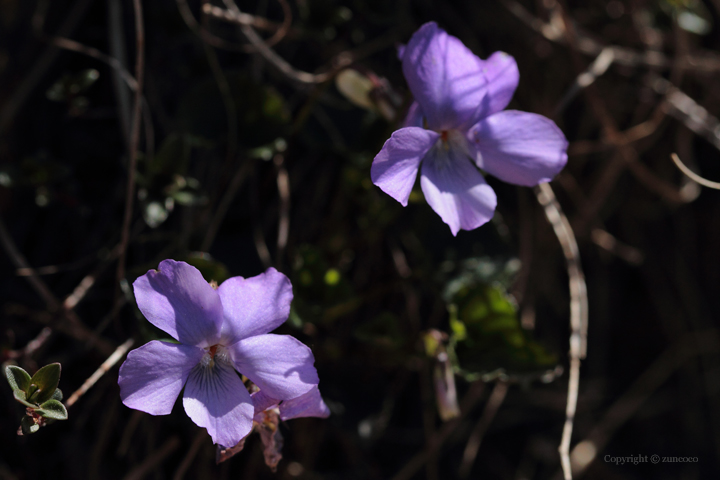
(370, 278)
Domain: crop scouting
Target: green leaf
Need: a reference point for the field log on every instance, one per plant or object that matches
(46, 379)
(18, 378)
(57, 395)
(487, 339)
(28, 426)
(53, 409)
(20, 397)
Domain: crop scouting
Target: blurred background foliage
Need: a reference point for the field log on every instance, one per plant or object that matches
(440, 357)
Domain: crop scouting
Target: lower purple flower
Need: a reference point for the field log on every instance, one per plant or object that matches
(221, 332)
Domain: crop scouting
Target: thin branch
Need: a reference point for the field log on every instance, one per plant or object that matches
(688, 347)
(707, 62)
(20, 262)
(88, 281)
(134, 136)
(468, 403)
(30, 348)
(693, 176)
(154, 460)
(283, 185)
(599, 66)
(276, 60)
(204, 34)
(578, 311)
(224, 205)
(683, 108)
(473, 445)
(102, 370)
(114, 63)
(240, 18)
(41, 66)
(192, 452)
(69, 324)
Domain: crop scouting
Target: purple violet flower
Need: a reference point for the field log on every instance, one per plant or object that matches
(221, 332)
(309, 404)
(457, 125)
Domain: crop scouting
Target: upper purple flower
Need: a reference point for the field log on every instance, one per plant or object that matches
(456, 124)
(220, 331)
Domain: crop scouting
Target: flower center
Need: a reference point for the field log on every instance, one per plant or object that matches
(216, 353)
(450, 147)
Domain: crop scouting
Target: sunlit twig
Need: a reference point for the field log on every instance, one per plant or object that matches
(578, 312)
(102, 370)
(692, 175)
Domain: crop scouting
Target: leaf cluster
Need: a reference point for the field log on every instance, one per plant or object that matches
(39, 394)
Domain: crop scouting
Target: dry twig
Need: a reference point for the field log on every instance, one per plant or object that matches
(578, 311)
(473, 445)
(468, 403)
(693, 176)
(134, 137)
(102, 370)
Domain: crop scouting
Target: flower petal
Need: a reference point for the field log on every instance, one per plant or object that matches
(262, 402)
(308, 405)
(216, 399)
(177, 299)
(395, 168)
(152, 376)
(254, 306)
(502, 74)
(445, 78)
(279, 364)
(414, 116)
(456, 190)
(520, 148)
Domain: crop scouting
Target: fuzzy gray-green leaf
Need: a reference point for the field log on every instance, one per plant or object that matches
(57, 395)
(20, 397)
(28, 426)
(47, 379)
(53, 409)
(18, 378)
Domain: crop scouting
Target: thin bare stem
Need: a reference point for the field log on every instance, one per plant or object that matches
(688, 347)
(154, 459)
(578, 311)
(134, 136)
(283, 184)
(102, 370)
(497, 397)
(18, 259)
(224, 205)
(235, 16)
(468, 403)
(30, 348)
(553, 31)
(192, 452)
(72, 45)
(693, 176)
(41, 66)
(273, 58)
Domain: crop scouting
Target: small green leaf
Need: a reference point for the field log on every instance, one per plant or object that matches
(28, 426)
(46, 379)
(20, 397)
(53, 409)
(57, 395)
(18, 378)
